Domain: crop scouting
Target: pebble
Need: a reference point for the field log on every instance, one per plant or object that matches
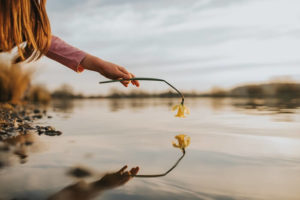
(36, 111)
(49, 128)
(37, 116)
(27, 118)
(18, 119)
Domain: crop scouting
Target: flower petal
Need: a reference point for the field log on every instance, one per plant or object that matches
(188, 141)
(180, 112)
(187, 110)
(175, 107)
(175, 145)
(180, 136)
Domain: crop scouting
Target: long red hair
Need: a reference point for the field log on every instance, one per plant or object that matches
(24, 24)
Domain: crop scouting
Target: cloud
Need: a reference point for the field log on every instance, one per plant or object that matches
(174, 35)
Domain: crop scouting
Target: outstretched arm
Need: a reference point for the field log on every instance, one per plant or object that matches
(79, 60)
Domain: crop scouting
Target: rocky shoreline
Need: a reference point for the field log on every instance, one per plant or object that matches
(21, 119)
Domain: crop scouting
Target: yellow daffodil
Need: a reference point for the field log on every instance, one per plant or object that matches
(183, 141)
(182, 109)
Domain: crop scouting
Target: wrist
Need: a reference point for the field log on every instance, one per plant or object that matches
(92, 63)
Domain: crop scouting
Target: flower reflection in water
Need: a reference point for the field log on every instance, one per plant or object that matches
(183, 141)
(84, 191)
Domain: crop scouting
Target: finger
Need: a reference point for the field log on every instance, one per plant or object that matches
(132, 81)
(135, 82)
(134, 171)
(122, 169)
(126, 74)
(125, 83)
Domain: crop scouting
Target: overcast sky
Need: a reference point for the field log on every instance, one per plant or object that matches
(194, 44)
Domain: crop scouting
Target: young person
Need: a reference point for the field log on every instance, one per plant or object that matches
(24, 24)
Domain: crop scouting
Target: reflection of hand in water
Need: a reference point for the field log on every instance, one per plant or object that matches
(84, 191)
(116, 179)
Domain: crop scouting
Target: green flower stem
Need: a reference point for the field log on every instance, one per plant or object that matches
(148, 79)
(164, 174)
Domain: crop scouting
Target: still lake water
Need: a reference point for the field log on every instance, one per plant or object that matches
(238, 150)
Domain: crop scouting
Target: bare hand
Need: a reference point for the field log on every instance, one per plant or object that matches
(118, 178)
(108, 69)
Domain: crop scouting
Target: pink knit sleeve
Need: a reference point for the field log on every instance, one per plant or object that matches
(65, 54)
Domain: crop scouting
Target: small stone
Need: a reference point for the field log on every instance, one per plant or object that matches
(40, 132)
(27, 118)
(21, 128)
(50, 133)
(10, 129)
(49, 128)
(36, 111)
(28, 143)
(49, 116)
(58, 132)
(37, 116)
(28, 127)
